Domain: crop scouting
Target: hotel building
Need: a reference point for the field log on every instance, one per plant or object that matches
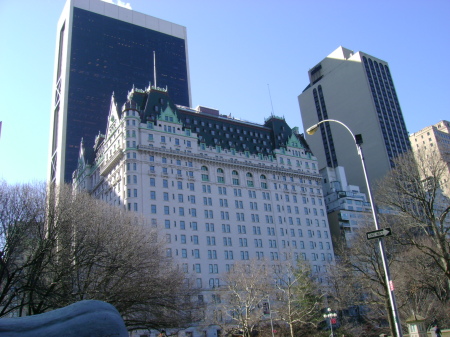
(219, 189)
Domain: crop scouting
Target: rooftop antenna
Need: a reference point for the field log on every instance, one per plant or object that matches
(154, 68)
(270, 96)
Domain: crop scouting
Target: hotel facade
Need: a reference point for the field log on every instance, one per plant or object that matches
(219, 189)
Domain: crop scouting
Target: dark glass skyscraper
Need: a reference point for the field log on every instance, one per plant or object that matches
(104, 49)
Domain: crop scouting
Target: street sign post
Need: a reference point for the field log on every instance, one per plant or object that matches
(380, 233)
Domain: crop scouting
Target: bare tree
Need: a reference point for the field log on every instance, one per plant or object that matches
(22, 245)
(413, 192)
(358, 279)
(421, 287)
(80, 248)
(298, 300)
(247, 287)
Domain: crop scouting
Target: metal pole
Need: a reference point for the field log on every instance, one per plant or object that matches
(331, 327)
(270, 313)
(389, 283)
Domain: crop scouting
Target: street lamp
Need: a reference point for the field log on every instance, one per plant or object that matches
(389, 283)
(332, 317)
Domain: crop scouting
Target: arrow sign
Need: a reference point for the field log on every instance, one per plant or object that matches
(379, 233)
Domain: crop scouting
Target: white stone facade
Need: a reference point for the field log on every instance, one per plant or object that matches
(435, 138)
(213, 205)
(347, 208)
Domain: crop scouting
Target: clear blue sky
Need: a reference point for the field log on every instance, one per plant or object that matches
(236, 48)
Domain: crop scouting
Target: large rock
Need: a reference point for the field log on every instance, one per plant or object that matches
(81, 319)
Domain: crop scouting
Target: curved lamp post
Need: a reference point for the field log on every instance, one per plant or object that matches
(389, 283)
(330, 315)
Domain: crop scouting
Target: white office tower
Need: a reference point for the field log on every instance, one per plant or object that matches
(357, 89)
(219, 189)
(435, 138)
(347, 208)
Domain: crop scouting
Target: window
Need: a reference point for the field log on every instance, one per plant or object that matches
(228, 255)
(242, 242)
(196, 253)
(244, 255)
(256, 230)
(212, 254)
(235, 179)
(249, 177)
(227, 242)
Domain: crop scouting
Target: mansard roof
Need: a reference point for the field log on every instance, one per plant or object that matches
(213, 129)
